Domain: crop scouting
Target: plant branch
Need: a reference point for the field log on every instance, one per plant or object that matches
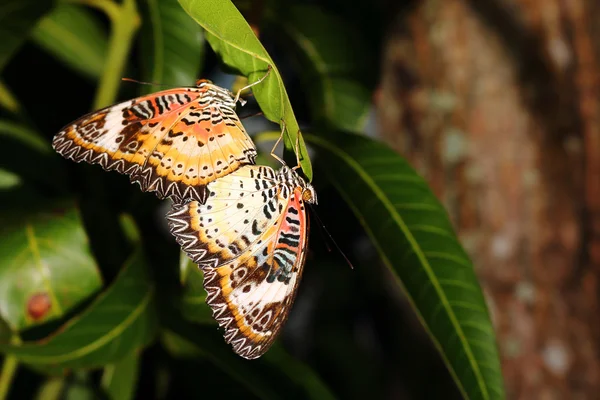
(8, 100)
(125, 21)
(110, 8)
(7, 373)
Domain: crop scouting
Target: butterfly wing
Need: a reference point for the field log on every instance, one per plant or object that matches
(250, 238)
(172, 142)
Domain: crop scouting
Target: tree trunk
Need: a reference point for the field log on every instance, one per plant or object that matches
(496, 103)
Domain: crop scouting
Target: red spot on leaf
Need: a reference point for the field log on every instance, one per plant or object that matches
(38, 306)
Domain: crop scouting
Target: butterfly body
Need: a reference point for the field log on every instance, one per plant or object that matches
(250, 239)
(172, 142)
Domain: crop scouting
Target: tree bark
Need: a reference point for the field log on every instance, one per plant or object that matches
(496, 103)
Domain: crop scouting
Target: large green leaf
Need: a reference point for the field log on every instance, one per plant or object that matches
(333, 64)
(232, 38)
(77, 386)
(46, 267)
(210, 344)
(191, 299)
(299, 373)
(119, 379)
(25, 135)
(17, 18)
(52, 388)
(9, 180)
(73, 34)
(27, 144)
(172, 44)
(416, 241)
(7, 99)
(278, 377)
(119, 321)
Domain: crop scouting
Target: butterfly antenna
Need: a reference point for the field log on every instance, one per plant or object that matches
(251, 115)
(324, 229)
(144, 83)
(237, 96)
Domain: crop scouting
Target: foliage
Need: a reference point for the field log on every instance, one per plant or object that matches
(91, 281)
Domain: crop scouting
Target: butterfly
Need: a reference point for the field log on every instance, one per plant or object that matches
(173, 142)
(250, 238)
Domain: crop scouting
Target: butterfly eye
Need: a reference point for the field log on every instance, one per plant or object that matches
(199, 82)
(307, 195)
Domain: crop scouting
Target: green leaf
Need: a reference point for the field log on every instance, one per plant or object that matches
(179, 347)
(299, 373)
(46, 267)
(8, 371)
(76, 386)
(333, 58)
(129, 228)
(119, 321)
(172, 45)
(25, 135)
(73, 35)
(266, 379)
(416, 241)
(120, 379)
(51, 389)
(8, 180)
(210, 344)
(185, 266)
(231, 37)
(192, 297)
(26, 144)
(7, 100)
(17, 18)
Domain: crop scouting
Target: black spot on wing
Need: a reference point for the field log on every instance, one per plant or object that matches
(174, 134)
(292, 210)
(266, 211)
(187, 121)
(292, 221)
(289, 239)
(255, 230)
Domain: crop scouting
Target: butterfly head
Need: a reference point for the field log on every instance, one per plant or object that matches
(203, 82)
(309, 195)
(221, 95)
(295, 182)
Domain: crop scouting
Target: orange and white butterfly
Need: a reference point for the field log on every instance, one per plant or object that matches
(250, 239)
(172, 142)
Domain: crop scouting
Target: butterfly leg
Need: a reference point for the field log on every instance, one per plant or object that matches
(297, 151)
(237, 96)
(297, 147)
(275, 156)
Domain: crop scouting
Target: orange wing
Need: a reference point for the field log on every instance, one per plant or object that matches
(173, 142)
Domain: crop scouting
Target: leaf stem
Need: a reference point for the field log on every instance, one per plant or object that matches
(8, 100)
(9, 367)
(110, 8)
(7, 373)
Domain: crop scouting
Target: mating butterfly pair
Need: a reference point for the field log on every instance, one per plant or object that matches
(244, 225)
